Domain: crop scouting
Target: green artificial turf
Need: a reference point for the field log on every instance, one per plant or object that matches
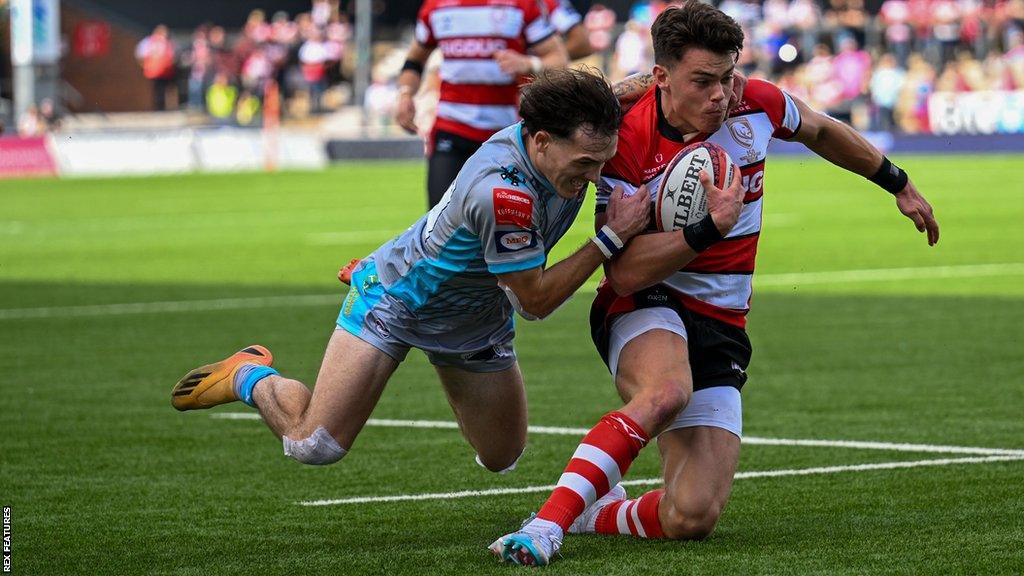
(104, 477)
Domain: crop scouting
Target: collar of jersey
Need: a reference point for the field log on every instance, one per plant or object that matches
(547, 186)
(667, 130)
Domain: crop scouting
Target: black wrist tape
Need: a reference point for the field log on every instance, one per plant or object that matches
(701, 235)
(890, 177)
(416, 67)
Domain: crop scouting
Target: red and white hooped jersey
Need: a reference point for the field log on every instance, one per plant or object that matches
(477, 98)
(718, 282)
(563, 15)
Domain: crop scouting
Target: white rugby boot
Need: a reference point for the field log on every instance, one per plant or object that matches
(585, 522)
(535, 544)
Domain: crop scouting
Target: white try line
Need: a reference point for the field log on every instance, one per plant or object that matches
(658, 481)
(763, 280)
(580, 432)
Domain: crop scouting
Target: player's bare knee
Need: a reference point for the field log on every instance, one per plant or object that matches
(695, 523)
(500, 463)
(318, 449)
(666, 399)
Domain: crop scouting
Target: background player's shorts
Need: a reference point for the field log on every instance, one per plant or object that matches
(448, 154)
(386, 323)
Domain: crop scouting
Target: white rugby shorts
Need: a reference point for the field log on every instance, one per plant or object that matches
(718, 407)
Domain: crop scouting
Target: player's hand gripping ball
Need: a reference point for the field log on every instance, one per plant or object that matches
(682, 199)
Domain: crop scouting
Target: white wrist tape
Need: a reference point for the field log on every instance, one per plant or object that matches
(608, 241)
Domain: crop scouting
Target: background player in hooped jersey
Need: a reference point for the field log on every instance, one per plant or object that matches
(449, 284)
(569, 23)
(669, 321)
(488, 45)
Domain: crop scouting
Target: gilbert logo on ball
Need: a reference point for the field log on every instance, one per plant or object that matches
(682, 199)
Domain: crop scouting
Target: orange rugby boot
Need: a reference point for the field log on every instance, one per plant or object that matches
(213, 384)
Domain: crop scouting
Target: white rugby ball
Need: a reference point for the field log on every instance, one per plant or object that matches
(682, 199)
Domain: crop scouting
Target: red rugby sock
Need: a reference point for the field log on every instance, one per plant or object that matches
(637, 517)
(600, 462)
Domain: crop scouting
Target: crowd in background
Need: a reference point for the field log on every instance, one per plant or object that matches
(875, 71)
(228, 74)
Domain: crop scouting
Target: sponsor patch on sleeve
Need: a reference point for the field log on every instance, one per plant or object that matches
(513, 207)
(515, 241)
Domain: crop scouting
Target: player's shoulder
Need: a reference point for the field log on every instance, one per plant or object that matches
(760, 95)
(637, 134)
(497, 165)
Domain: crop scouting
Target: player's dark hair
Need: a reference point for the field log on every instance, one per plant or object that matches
(561, 100)
(694, 25)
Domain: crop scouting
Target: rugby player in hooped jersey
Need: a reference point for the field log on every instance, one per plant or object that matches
(450, 283)
(669, 320)
(487, 47)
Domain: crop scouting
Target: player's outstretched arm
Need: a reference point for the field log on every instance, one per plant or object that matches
(537, 292)
(845, 147)
(651, 258)
(409, 85)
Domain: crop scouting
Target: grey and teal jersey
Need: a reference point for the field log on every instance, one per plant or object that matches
(500, 215)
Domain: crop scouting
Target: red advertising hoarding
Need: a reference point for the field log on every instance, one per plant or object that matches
(21, 157)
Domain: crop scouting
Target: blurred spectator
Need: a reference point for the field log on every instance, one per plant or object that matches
(221, 98)
(886, 84)
(256, 27)
(945, 30)
(631, 50)
(314, 56)
(199, 61)
(30, 124)
(848, 18)
(248, 109)
(851, 68)
(257, 71)
(380, 99)
(912, 109)
(48, 115)
(822, 89)
(222, 56)
(156, 55)
(746, 12)
(805, 19)
(895, 19)
(321, 13)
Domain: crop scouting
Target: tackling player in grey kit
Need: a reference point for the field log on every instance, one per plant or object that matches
(450, 283)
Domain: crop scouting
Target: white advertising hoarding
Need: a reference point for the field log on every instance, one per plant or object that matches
(991, 112)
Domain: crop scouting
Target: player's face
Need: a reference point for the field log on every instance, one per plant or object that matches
(696, 90)
(570, 163)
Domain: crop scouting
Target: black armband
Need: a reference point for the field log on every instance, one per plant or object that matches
(416, 67)
(890, 177)
(702, 235)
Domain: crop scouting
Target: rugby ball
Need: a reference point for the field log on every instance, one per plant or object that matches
(682, 199)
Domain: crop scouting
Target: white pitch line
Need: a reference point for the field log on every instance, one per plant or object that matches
(890, 274)
(174, 306)
(763, 280)
(753, 440)
(658, 481)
